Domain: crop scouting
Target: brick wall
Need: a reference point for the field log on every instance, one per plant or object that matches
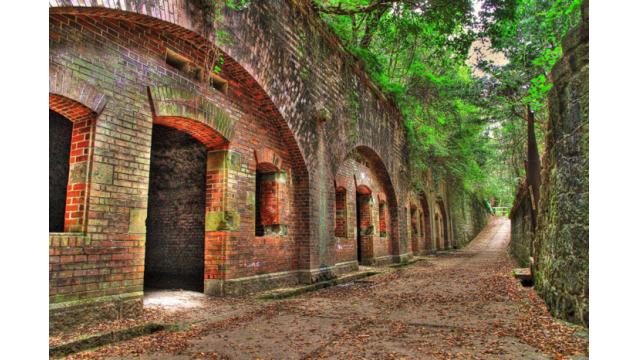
(107, 258)
(362, 189)
(294, 99)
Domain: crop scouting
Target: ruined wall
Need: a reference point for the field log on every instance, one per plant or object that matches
(561, 245)
(521, 227)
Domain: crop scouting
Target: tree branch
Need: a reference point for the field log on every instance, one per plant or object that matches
(338, 10)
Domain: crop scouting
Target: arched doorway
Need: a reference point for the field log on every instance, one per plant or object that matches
(174, 249)
(443, 225)
(364, 228)
(438, 231)
(426, 222)
(414, 229)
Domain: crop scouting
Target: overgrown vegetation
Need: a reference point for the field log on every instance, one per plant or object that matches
(471, 111)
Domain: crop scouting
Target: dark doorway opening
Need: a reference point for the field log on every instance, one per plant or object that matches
(174, 250)
(60, 130)
(426, 223)
(443, 225)
(358, 228)
(266, 206)
(364, 228)
(415, 234)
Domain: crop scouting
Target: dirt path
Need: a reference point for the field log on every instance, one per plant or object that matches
(461, 305)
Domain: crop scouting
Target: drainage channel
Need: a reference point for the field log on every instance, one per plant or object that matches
(107, 338)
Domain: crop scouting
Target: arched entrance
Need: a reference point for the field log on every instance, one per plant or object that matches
(174, 249)
(364, 228)
(365, 210)
(414, 229)
(71, 136)
(443, 225)
(426, 222)
(438, 231)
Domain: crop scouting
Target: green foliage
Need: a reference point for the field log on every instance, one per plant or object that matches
(528, 33)
(463, 128)
(416, 52)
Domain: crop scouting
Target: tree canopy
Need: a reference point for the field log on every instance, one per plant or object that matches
(464, 118)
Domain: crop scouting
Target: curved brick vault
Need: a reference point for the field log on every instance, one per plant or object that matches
(295, 106)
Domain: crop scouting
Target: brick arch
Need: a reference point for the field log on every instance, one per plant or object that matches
(267, 160)
(363, 189)
(380, 169)
(73, 98)
(411, 206)
(80, 103)
(445, 225)
(191, 113)
(175, 18)
(171, 16)
(426, 220)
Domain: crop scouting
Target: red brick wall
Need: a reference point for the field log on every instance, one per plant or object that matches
(365, 230)
(108, 258)
(294, 94)
(356, 167)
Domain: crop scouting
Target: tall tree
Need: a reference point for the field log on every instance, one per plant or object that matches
(528, 33)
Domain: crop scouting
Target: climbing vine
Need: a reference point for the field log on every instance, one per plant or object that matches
(212, 18)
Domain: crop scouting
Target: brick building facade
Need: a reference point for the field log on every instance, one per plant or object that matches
(288, 166)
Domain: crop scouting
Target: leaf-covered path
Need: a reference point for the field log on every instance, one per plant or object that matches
(459, 305)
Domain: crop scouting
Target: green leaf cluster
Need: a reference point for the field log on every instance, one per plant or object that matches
(462, 126)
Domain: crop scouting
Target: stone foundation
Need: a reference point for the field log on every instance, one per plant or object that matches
(561, 244)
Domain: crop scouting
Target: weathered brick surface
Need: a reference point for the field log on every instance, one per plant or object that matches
(297, 109)
(362, 189)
